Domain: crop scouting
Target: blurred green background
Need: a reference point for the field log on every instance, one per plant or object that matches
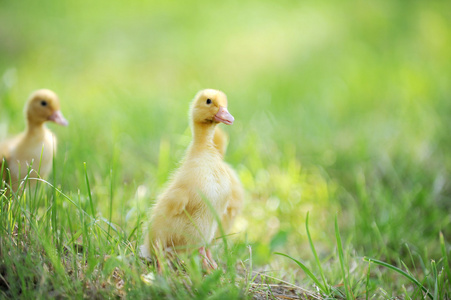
(340, 107)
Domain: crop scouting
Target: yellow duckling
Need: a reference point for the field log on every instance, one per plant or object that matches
(181, 218)
(37, 144)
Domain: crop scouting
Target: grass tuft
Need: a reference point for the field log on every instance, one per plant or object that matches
(403, 273)
(344, 269)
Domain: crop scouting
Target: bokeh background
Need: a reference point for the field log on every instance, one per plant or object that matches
(341, 108)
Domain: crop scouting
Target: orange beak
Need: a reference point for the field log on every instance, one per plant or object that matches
(224, 116)
(58, 118)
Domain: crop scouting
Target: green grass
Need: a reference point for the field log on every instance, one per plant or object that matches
(342, 110)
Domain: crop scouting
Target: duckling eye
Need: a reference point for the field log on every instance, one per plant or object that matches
(44, 103)
(208, 101)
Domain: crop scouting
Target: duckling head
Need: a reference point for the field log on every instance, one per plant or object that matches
(43, 105)
(210, 107)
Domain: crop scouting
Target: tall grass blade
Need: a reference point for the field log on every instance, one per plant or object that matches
(410, 255)
(89, 191)
(435, 278)
(341, 258)
(368, 280)
(318, 263)
(442, 284)
(3, 168)
(55, 199)
(111, 201)
(445, 256)
(36, 188)
(405, 274)
(250, 271)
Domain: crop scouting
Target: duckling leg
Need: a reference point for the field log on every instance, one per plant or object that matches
(159, 266)
(204, 257)
(159, 256)
(214, 265)
(207, 260)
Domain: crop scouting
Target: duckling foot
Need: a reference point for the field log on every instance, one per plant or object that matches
(207, 260)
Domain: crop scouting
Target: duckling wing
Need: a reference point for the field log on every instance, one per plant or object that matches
(175, 200)
(235, 201)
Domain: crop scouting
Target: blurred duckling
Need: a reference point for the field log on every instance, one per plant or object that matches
(181, 218)
(36, 145)
(236, 200)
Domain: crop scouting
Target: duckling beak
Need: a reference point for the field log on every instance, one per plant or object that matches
(224, 116)
(58, 118)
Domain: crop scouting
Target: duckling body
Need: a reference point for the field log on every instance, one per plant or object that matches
(34, 147)
(236, 200)
(182, 217)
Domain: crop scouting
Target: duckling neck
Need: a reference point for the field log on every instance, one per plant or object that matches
(35, 129)
(203, 134)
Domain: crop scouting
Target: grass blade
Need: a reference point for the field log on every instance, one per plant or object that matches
(445, 256)
(89, 191)
(405, 274)
(434, 273)
(341, 257)
(410, 255)
(312, 246)
(368, 280)
(111, 200)
(55, 199)
(305, 269)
